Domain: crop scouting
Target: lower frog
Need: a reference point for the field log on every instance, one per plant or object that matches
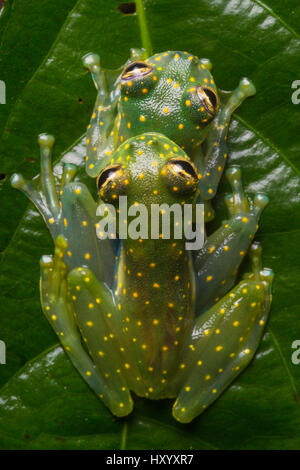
(164, 323)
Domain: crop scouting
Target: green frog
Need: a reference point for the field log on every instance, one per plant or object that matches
(153, 318)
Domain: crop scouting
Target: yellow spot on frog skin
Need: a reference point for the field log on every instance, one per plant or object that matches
(219, 348)
(207, 377)
(176, 56)
(236, 323)
(127, 366)
(145, 90)
(187, 389)
(91, 305)
(121, 405)
(88, 373)
(135, 295)
(180, 126)
(188, 102)
(155, 322)
(209, 278)
(226, 247)
(144, 346)
(86, 279)
(87, 256)
(78, 190)
(101, 353)
(156, 286)
(84, 223)
(214, 390)
(89, 323)
(164, 348)
(140, 152)
(182, 366)
(166, 110)
(245, 220)
(54, 317)
(222, 311)
(142, 118)
(65, 222)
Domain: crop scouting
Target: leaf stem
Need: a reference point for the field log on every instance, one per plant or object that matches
(124, 436)
(144, 31)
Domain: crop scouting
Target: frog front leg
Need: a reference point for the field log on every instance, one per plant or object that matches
(71, 212)
(223, 341)
(217, 263)
(67, 307)
(211, 163)
(103, 129)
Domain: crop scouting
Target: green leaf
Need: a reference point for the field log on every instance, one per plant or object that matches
(44, 402)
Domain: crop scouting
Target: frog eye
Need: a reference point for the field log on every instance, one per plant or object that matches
(180, 176)
(209, 99)
(107, 175)
(136, 70)
(183, 168)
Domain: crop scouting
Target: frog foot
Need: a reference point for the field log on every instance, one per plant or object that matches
(46, 199)
(237, 203)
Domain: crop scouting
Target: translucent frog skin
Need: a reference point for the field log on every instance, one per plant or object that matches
(154, 319)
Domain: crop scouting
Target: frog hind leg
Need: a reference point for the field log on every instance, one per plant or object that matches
(224, 340)
(98, 320)
(58, 309)
(217, 263)
(212, 164)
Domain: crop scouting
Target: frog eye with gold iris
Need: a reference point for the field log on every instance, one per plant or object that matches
(209, 99)
(136, 69)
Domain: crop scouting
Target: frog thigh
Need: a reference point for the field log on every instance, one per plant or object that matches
(59, 311)
(224, 341)
(217, 263)
(98, 320)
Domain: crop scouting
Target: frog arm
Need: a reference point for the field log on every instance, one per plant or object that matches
(224, 340)
(102, 131)
(58, 309)
(212, 165)
(72, 212)
(217, 263)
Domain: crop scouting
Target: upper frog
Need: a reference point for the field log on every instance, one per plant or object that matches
(172, 93)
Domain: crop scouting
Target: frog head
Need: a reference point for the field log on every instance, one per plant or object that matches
(148, 169)
(172, 93)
